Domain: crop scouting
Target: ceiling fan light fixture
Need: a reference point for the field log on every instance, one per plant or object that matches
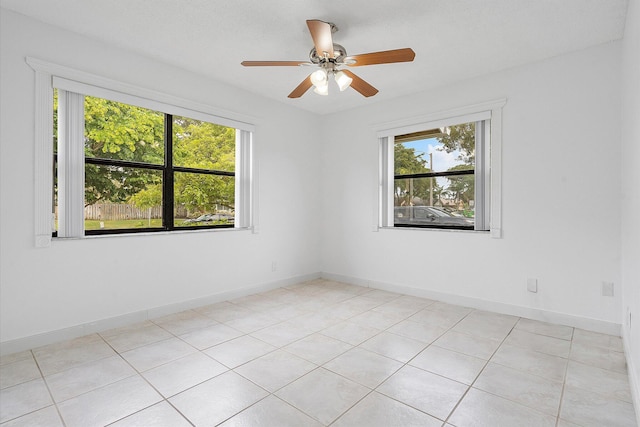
(322, 89)
(342, 80)
(319, 77)
(330, 57)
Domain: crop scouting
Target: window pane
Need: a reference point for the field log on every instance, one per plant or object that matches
(441, 201)
(122, 198)
(114, 130)
(438, 150)
(203, 145)
(202, 199)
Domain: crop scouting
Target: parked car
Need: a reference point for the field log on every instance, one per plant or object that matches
(428, 216)
(210, 218)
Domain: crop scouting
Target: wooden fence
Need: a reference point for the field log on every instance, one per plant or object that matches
(109, 211)
(113, 211)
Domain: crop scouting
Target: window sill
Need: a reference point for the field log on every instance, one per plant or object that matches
(155, 233)
(446, 230)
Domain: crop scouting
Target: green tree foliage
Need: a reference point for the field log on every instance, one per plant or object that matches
(147, 198)
(118, 131)
(461, 139)
(409, 190)
(461, 188)
(407, 161)
(209, 146)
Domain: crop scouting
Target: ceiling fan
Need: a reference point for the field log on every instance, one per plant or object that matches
(330, 57)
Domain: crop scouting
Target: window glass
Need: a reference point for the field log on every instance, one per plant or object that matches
(114, 130)
(203, 145)
(129, 183)
(434, 177)
(119, 197)
(203, 199)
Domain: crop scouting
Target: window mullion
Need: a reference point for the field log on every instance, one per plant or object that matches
(70, 164)
(168, 179)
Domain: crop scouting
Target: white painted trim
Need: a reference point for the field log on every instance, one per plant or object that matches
(43, 150)
(241, 121)
(76, 81)
(435, 124)
(632, 370)
(595, 325)
(150, 104)
(439, 116)
(34, 341)
(491, 110)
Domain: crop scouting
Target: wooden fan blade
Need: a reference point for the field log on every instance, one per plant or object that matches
(321, 35)
(274, 63)
(302, 88)
(360, 85)
(384, 57)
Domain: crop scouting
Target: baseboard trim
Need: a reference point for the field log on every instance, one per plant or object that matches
(633, 371)
(38, 340)
(595, 325)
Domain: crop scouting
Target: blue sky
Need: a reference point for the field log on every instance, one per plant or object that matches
(441, 159)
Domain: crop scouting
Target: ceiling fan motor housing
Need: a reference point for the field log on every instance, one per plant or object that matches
(339, 55)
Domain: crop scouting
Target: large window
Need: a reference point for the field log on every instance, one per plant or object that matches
(126, 158)
(439, 174)
(143, 170)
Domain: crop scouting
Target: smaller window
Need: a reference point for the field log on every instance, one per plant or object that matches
(437, 177)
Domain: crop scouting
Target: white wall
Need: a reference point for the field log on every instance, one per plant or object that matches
(631, 195)
(80, 281)
(560, 205)
(561, 197)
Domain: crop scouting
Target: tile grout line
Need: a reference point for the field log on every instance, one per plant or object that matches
(44, 380)
(564, 380)
(480, 373)
(139, 374)
(427, 346)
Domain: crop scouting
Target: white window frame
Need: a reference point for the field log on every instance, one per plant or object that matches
(488, 169)
(74, 84)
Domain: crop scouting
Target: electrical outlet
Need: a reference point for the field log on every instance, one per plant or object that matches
(607, 289)
(274, 266)
(532, 285)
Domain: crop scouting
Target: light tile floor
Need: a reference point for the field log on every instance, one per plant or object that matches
(323, 353)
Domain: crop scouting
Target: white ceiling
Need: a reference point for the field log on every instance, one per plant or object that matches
(453, 39)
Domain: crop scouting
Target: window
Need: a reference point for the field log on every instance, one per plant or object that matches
(442, 173)
(61, 165)
(143, 170)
